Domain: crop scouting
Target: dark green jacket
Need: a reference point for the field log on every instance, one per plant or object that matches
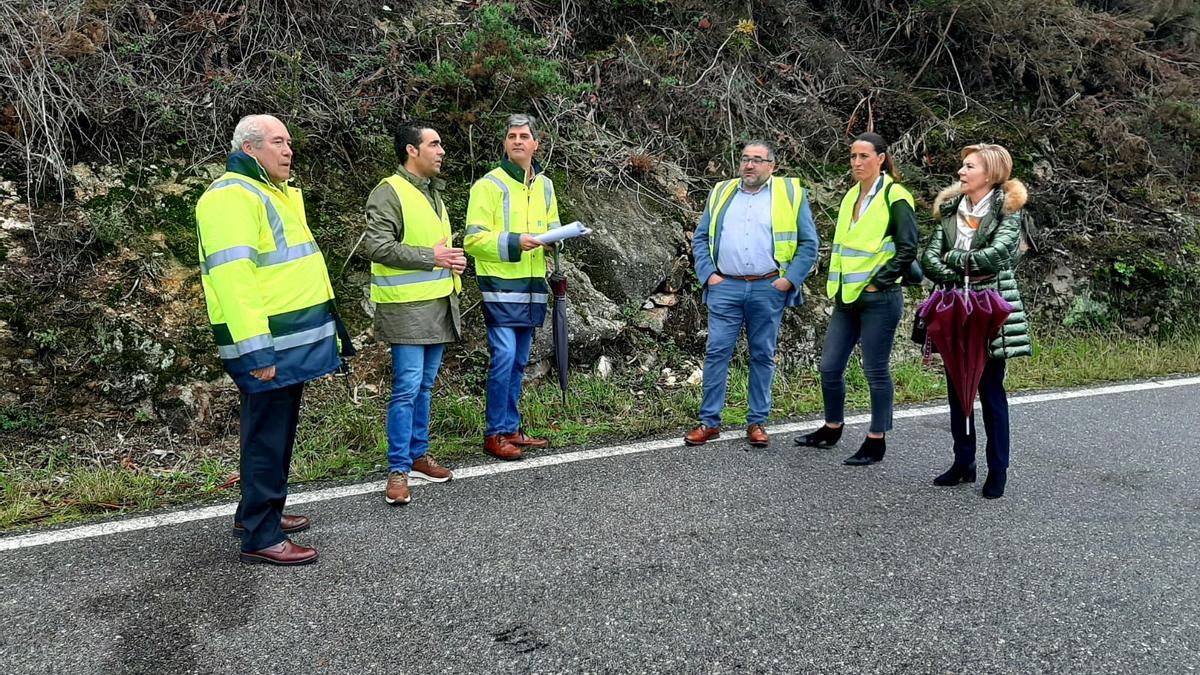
(428, 322)
(992, 257)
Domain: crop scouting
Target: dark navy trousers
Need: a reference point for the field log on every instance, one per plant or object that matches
(994, 402)
(269, 421)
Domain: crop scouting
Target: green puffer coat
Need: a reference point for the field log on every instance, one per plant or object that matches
(992, 256)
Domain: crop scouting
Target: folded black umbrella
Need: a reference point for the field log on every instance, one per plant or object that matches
(558, 324)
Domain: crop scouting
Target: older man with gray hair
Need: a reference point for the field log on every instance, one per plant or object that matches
(271, 309)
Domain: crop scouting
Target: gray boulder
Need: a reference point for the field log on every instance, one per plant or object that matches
(592, 319)
(633, 248)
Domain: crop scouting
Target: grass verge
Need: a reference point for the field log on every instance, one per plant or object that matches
(343, 439)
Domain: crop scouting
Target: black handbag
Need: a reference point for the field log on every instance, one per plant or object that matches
(913, 276)
(919, 333)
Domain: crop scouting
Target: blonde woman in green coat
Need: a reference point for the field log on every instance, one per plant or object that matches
(979, 228)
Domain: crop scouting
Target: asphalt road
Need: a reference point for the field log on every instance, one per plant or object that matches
(699, 560)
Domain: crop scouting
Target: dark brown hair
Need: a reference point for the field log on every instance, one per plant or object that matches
(881, 148)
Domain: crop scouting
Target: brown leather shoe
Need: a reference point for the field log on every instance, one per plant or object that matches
(397, 489)
(757, 436)
(284, 553)
(427, 468)
(520, 440)
(498, 446)
(701, 435)
(289, 525)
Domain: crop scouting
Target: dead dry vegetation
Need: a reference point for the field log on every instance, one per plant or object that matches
(114, 115)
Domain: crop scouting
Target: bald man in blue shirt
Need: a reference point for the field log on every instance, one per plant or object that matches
(754, 247)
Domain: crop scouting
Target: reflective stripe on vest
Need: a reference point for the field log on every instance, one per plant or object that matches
(424, 228)
(506, 209)
(509, 296)
(282, 253)
(521, 211)
(859, 253)
(855, 253)
(243, 347)
(280, 303)
(282, 342)
(549, 190)
(785, 212)
(413, 277)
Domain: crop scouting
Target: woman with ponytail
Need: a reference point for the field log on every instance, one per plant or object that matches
(874, 247)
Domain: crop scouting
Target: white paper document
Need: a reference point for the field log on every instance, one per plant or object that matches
(568, 231)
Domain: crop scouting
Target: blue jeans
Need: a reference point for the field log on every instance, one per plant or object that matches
(731, 304)
(509, 349)
(871, 318)
(414, 368)
(994, 402)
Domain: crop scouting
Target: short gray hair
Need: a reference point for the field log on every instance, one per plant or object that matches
(522, 120)
(769, 146)
(249, 128)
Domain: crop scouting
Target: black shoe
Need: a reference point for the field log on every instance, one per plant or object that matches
(958, 473)
(824, 437)
(870, 452)
(993, 487)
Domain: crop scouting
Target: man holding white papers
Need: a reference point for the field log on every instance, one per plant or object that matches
(508, 208)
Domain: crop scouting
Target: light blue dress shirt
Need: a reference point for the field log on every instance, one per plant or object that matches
(747, 245)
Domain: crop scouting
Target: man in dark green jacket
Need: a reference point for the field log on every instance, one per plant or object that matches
(415, 285)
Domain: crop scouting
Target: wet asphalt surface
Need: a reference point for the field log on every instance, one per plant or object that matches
(698, 560)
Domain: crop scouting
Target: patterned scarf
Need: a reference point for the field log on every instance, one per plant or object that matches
(969, 218)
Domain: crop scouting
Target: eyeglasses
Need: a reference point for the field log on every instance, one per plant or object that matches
(756, 161)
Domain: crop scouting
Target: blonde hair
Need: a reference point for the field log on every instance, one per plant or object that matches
(997, 163)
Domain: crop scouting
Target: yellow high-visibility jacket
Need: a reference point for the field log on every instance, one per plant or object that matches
(422, 227)
(500, 210)
(268, 293)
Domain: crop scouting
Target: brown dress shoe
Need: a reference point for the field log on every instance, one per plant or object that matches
(757, 436)
(498, 446)
(519, 439)
(427, 468)
(701, 435)
(397, 489)
(284, 553)
(289, 525)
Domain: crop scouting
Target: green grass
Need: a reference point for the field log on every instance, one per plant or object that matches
(340, 439)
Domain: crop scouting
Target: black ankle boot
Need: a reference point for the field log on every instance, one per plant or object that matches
(958, 473)
(871, 451)
(993, 486)
(824, 437)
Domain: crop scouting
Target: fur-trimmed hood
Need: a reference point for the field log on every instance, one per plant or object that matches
(1013, 193)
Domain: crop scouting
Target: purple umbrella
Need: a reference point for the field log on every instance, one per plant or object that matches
(961, 323)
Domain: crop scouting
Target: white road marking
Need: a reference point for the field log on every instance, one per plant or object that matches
(484, 470)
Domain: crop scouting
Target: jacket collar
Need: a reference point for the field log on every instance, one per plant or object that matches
(434, 184)
(516, 172)
(1011, 197)
(241, 163)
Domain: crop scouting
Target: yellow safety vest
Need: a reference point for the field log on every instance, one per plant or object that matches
(859, 252)
(786, 198)
(268, 293)
(424, 228)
